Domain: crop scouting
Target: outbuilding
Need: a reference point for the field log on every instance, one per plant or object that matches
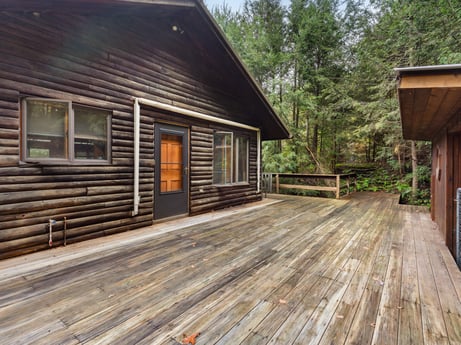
(118, 113)
(430, 107)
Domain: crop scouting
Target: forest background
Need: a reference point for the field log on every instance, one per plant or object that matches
(327, 67)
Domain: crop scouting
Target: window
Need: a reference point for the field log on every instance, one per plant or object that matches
(241, 159)
(230, 158)
(171, 163)
(222, 158)
(91, 133)
(56, 130)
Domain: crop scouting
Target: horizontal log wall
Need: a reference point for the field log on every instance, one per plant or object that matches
(204, 195)
(102, 63)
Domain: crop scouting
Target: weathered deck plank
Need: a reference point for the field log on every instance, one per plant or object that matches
(411, 328)
(434, 328)
(387, 322)
(361, 270)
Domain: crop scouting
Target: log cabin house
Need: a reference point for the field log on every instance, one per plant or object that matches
(430, 108)
(118, 113)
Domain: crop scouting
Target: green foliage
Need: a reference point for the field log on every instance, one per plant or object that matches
(379, 179)
(327, 67)
(387, 180)
(284, 161)
(348, 168)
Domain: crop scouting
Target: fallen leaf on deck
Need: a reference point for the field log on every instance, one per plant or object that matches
(283, 301)
(194, 244)
(191, 339)
(379, 281)
(340, 316)
(373, 325)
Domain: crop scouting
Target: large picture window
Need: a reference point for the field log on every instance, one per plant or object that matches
(55, 130)
(230, 158)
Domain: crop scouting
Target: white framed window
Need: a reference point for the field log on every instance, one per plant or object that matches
(241, 153)
(222, 158)
(230, 158)
(59, 131)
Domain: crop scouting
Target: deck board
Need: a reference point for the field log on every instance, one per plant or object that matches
(290, 270)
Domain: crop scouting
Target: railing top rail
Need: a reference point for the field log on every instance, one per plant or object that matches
(312, 175)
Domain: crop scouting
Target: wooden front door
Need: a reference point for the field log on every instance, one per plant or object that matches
(171, 195)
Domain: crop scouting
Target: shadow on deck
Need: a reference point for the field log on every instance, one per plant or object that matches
(296, 270)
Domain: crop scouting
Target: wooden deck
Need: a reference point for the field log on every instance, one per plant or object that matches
(297, 271)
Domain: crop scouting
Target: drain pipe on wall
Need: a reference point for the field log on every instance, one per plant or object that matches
(65, 231)
(186, 112)
(258, 158)
(136, 120)
(50, 228)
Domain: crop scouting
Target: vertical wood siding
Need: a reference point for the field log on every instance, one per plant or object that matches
(439, 187)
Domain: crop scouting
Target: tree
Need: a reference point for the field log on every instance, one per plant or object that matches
(406, 33)
(327, 68)
(318, 52)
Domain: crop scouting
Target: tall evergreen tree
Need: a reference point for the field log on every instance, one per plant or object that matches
(327, 66)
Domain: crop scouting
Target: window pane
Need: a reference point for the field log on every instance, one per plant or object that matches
(241, 159)
(90, 137)
(222, 158)
(47, 123)
(171, 163)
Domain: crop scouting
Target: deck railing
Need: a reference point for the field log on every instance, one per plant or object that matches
(340, 184)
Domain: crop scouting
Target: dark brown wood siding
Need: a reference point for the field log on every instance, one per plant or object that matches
(100, 62)
(204, 195)
(453, 183)
(440, 180)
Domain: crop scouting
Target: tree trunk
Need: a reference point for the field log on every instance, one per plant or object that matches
(295, 101)
(281, 93)
(368, 150)
(315, 139)
(277, 146)
(307, 129)
(373, 149)
(399, 153)
(414, 169)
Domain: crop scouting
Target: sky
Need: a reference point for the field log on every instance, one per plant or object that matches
(236, 5)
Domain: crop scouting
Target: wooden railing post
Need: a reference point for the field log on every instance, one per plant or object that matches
(338, 186)
(277, 183)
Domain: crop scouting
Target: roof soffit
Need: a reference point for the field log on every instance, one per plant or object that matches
(428, 99)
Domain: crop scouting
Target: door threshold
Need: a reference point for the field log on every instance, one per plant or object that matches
(166, 219)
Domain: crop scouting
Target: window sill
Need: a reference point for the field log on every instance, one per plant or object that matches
(236, 184)
(63, 162)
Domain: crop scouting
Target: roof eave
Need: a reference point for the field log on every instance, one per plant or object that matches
(285, 133)
(429, 97)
